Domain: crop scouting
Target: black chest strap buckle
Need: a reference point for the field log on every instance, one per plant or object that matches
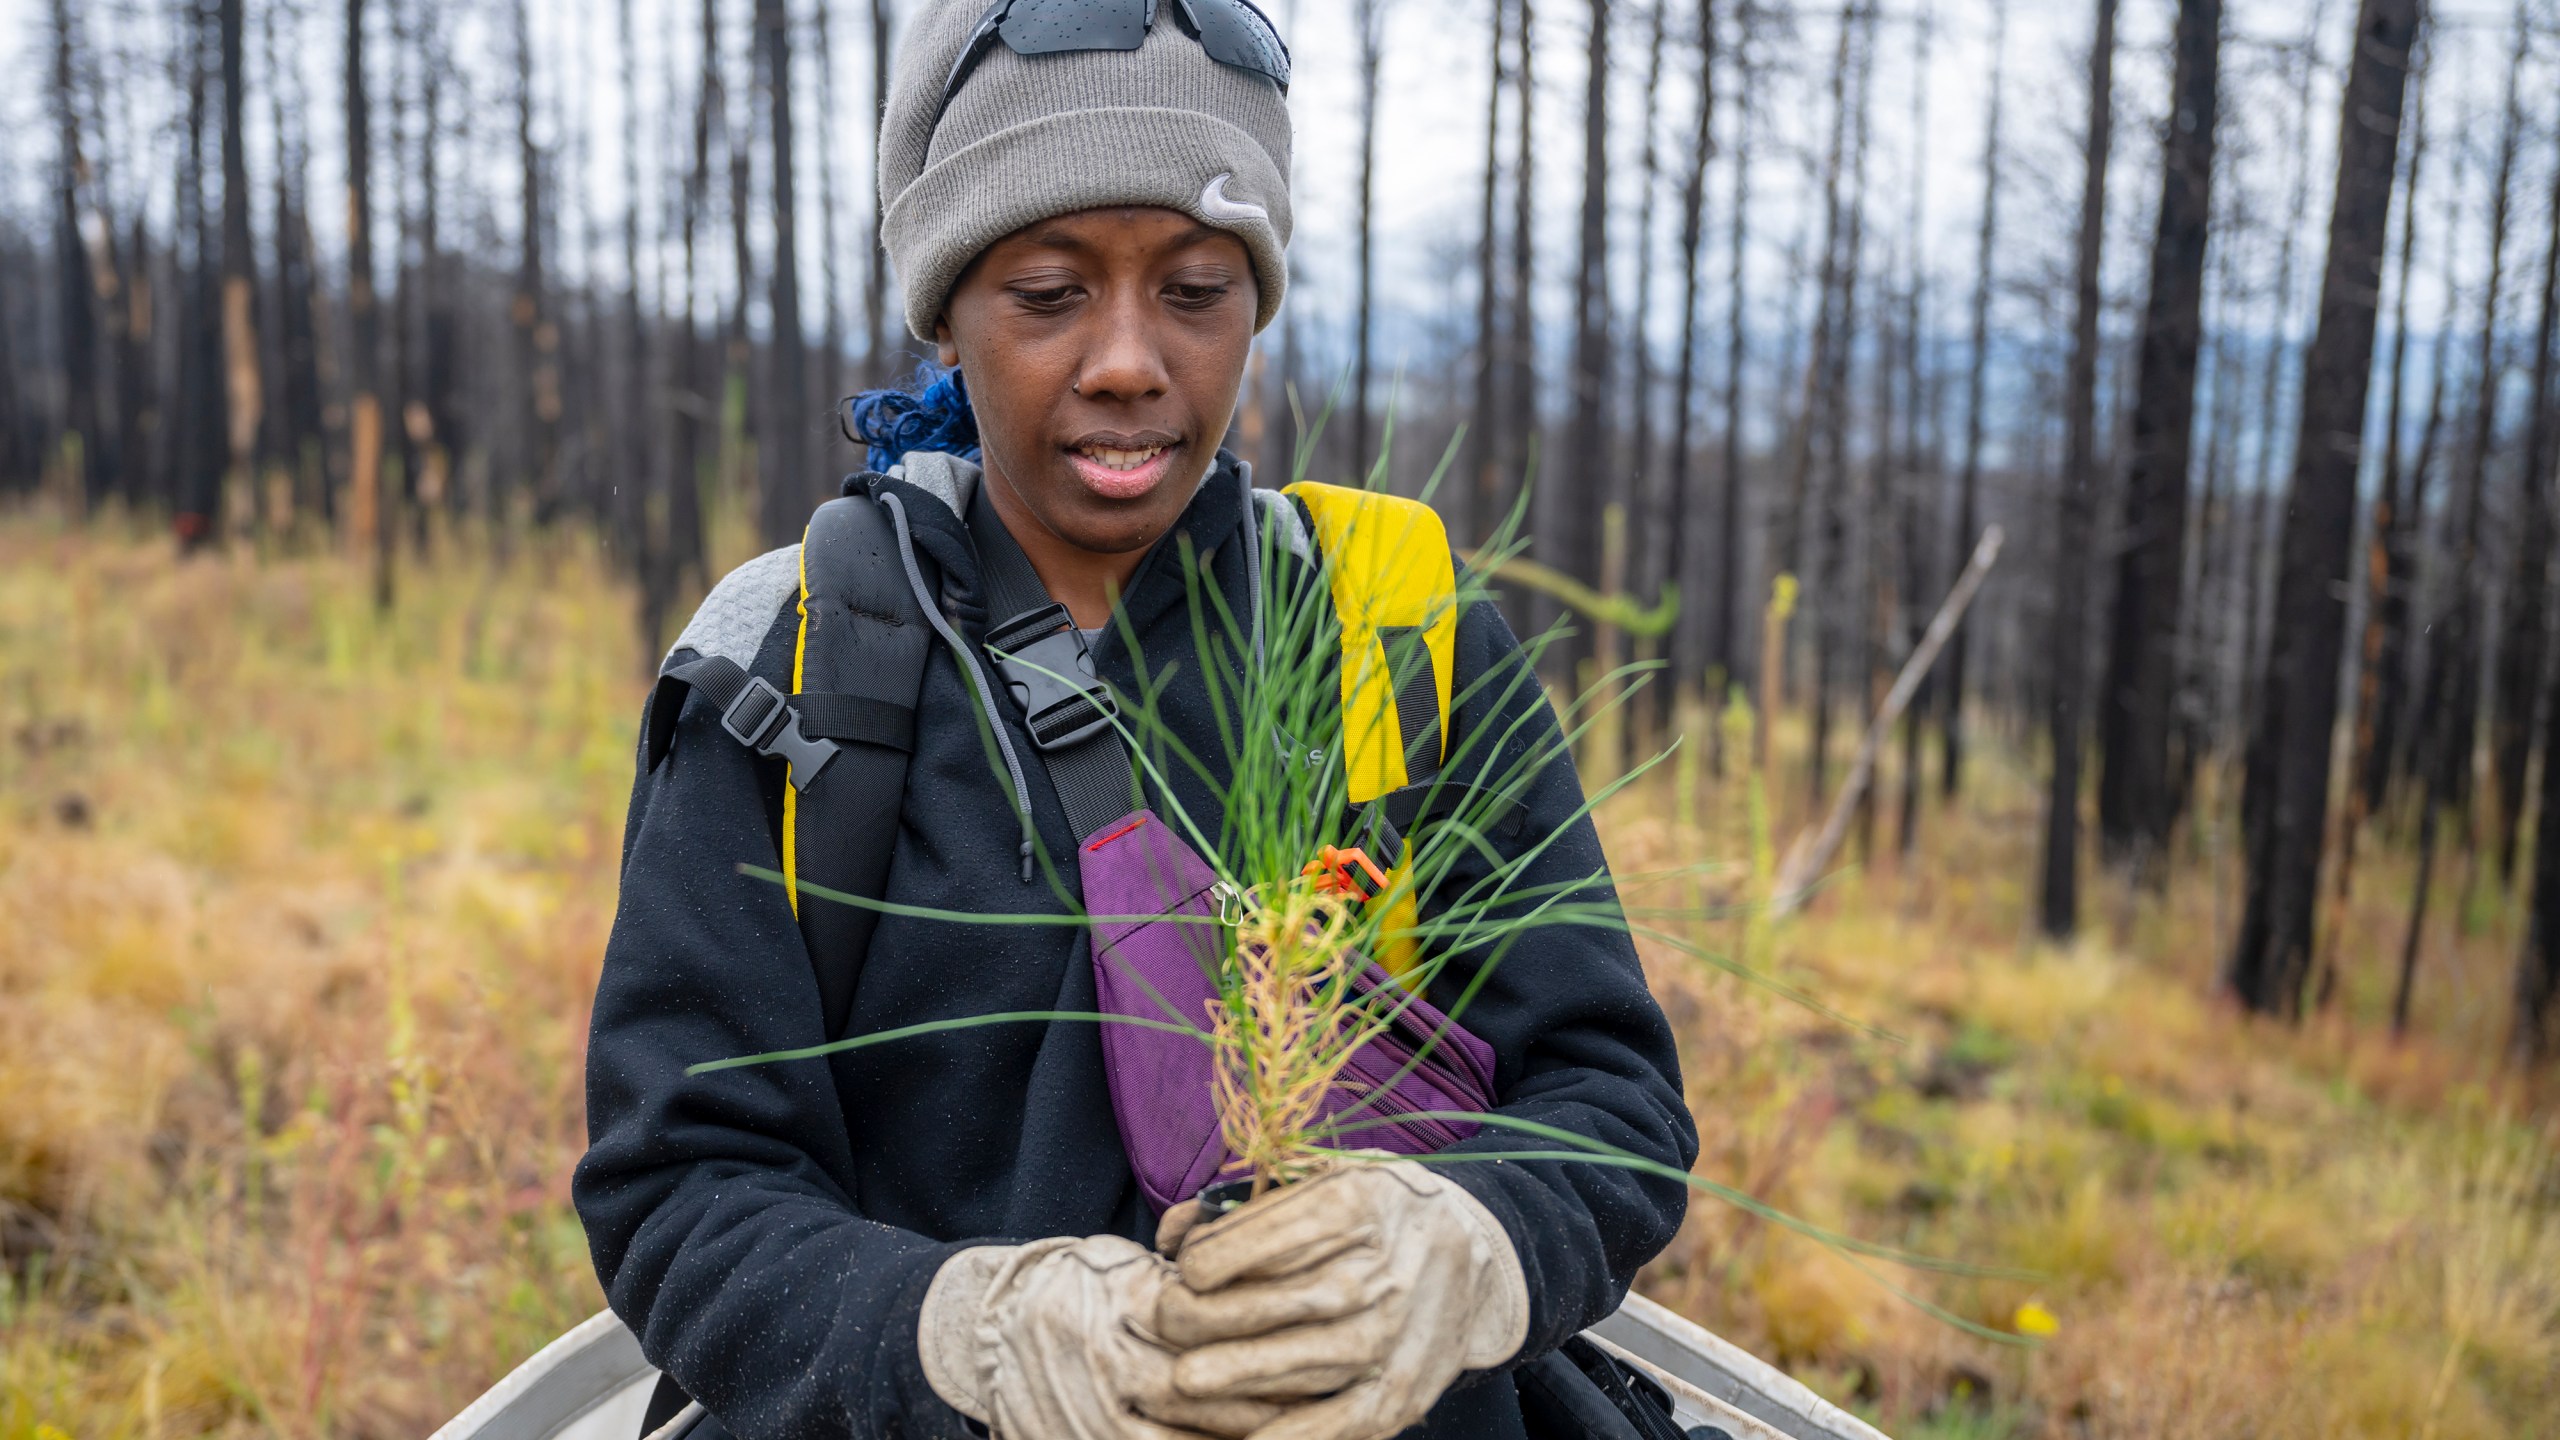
(1049, 672)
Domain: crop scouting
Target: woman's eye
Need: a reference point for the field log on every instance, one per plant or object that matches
(1049, 299)
(1198, 297)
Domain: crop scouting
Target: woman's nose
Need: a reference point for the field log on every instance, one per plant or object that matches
(1125, 362)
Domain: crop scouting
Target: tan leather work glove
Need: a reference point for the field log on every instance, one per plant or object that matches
(1372, 1287)
(1054, 1341)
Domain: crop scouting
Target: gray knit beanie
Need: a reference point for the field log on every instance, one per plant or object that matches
(1029, 137)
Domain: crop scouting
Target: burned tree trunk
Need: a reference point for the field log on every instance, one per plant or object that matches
(297, 415)
(201, 451)
(1833, 610)
(1788, 544)
(122, 277)
(1816, 415)
(122, 457)
(2401, 504)
(2381, 541)
(789, 492)
(15, 471)
(243, 385)
(642, 486)
(78, 432)
(1951, 735)
(1470, 501)
(697, 407)
(2462, 641)
(368, 520)
(2206, 638)
(1636, 483)
(1679, 541)
(2256, 551)
(738, 140)
(1570, 533)
(831, 343)
(875, 281)
(537, 335)
(432, 421)
(2134, 794)
(2536, 1036)
(400, 388)
(1920, 449)
(2298, 715)
(1368, 20)
(1723, 649)
(2060, 912)
(2429, 742)
(1520, 336)
(2521, 647)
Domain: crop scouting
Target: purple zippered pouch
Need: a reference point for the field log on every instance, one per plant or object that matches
(1152, 959)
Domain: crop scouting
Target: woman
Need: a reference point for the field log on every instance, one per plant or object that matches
(942, 1236)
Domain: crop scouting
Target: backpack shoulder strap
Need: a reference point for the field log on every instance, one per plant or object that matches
(857, 665)
(1395, 590)
(845, 731)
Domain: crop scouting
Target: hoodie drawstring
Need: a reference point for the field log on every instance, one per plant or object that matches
(979, 684)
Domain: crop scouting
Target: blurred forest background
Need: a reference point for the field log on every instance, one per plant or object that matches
(382, 381)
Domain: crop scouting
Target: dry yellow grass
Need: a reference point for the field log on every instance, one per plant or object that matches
(300, 913)
(2235, 1228)
(300, 910)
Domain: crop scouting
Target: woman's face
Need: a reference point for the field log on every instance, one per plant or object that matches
(1103, 351)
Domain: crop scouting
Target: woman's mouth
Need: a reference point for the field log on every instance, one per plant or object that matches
(1123, 468)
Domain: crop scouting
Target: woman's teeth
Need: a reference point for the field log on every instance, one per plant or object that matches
(1121, 472)
(1120, 459)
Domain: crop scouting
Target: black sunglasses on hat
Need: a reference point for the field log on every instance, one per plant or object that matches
(1232, 31)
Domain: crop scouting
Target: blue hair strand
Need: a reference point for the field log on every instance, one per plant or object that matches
(931, 413)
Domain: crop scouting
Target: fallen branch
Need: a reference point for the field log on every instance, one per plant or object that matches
(1813, 851)
(1624, 611)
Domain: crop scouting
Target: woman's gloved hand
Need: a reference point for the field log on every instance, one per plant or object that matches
(1055, 1340)
(1371, 1287)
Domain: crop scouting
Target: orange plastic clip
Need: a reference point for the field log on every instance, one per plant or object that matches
(1333, 869)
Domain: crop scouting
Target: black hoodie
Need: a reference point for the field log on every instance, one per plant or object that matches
(769, 1231)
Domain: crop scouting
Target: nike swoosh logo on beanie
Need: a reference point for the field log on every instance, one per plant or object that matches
(1215, 205)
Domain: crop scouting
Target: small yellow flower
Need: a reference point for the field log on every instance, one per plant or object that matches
(2033, 1319)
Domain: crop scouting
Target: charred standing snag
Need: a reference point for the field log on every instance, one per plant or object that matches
(1968, 499)
(788, 488)
(2135, 702)
(369, 519)
(2289, 753)
(2399, 509)
(1567, 534)
(1694, 647)
(2523, 649)
(2537, 986)
(2080, 489)
(78, 317)
(1473, 499)
(242, 383)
